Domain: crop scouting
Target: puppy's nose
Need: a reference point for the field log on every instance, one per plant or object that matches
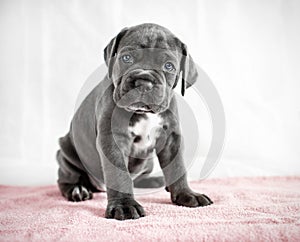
(143, 85)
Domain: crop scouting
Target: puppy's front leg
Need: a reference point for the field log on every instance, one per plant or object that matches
(113, 150)
(171, 162)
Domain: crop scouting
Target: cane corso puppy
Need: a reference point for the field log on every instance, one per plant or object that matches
(129, 118)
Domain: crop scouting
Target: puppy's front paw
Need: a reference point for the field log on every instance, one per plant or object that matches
(191, 199)
(125, 208)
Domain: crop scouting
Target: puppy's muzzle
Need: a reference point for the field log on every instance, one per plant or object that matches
(141, 90)
(143, 85)
(143, 81)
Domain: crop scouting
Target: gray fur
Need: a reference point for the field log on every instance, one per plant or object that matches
(92, 149)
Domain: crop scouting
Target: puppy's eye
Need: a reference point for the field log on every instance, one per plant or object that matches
(169, 66)
(126, 58)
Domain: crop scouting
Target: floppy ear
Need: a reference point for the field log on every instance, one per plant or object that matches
(111, 49)
(188, 68)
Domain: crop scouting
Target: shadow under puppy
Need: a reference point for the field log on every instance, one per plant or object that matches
(127, 119)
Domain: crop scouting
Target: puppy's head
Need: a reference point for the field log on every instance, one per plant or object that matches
(145, 63)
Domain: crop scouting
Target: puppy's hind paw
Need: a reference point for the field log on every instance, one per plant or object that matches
(78, 193)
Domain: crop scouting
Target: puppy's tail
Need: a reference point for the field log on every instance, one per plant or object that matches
(149, 182)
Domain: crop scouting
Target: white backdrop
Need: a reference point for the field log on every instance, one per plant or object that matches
(250, 49)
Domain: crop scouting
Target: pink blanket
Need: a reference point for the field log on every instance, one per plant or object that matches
(244, 209)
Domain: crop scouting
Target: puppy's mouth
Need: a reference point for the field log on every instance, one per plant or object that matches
(140, 107)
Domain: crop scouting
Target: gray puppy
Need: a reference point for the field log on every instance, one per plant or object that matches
(129, 118)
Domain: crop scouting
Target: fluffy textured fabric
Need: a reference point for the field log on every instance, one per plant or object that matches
(244, 209)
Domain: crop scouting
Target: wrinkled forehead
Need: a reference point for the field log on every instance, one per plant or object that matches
(140, 38)
(150, 53)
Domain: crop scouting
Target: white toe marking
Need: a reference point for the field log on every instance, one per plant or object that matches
(84, 190)
(76, 191)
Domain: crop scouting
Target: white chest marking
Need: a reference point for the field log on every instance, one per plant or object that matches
(147, 129)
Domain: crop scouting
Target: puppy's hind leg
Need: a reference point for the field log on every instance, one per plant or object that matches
(73, 181)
